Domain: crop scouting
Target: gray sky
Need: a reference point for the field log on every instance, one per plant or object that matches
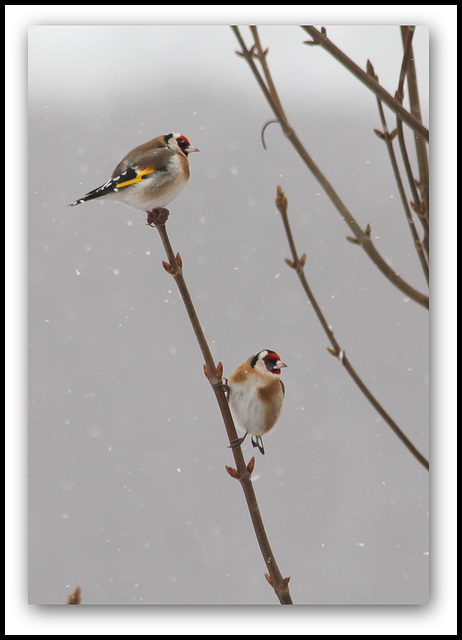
(91, 293)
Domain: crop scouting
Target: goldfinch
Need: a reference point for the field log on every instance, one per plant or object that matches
(255, 395)
(150, 176)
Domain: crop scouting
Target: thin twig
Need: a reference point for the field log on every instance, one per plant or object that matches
(405, 61)
(388, 138)
(421, 149)
(361, 238)
(298, 265)
(320, 38)
(419, 204)
(214, 375)
(416, 203)
(269, 80)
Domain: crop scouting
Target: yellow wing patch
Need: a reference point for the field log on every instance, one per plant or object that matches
(140, 174)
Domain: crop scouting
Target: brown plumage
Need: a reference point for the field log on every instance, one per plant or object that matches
(256, 394)
(150, 176)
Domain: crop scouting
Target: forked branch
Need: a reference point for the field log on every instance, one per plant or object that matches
(361, 237)
(388, 138)
(421, 204)
(320, 38)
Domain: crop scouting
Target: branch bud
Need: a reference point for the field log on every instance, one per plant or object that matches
(251, 465)
(74, 598)
(281, 200)
(370, 71)
(169, 269)
(285, 584)
(233, 473)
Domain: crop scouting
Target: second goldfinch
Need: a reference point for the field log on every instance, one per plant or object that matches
(150, 176)
(255, 395)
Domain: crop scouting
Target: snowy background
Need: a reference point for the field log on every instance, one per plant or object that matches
(128, 493)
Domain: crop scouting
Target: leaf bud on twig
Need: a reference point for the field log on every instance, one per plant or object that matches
(370, 71)
(219, 370)
(75, 598)
(285, 584)
(281, 200)
(169, 269)
(233, 473)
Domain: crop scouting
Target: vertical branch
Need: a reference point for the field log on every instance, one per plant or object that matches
(388, 139)
(416, 203)
(261, 55)
(421, 149)
(399, 95)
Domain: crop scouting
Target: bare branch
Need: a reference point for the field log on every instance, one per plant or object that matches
(214, 375)
(388, 139)
(321, 39)
(362, 238)
(421, 150)
(336, 350)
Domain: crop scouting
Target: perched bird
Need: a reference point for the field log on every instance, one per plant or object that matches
(255, 395)
(150, 176)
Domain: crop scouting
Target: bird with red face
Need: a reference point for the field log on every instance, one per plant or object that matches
(255, 396)
(150, 176)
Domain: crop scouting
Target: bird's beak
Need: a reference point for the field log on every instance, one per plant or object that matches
(191, 149)
(280, 364)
